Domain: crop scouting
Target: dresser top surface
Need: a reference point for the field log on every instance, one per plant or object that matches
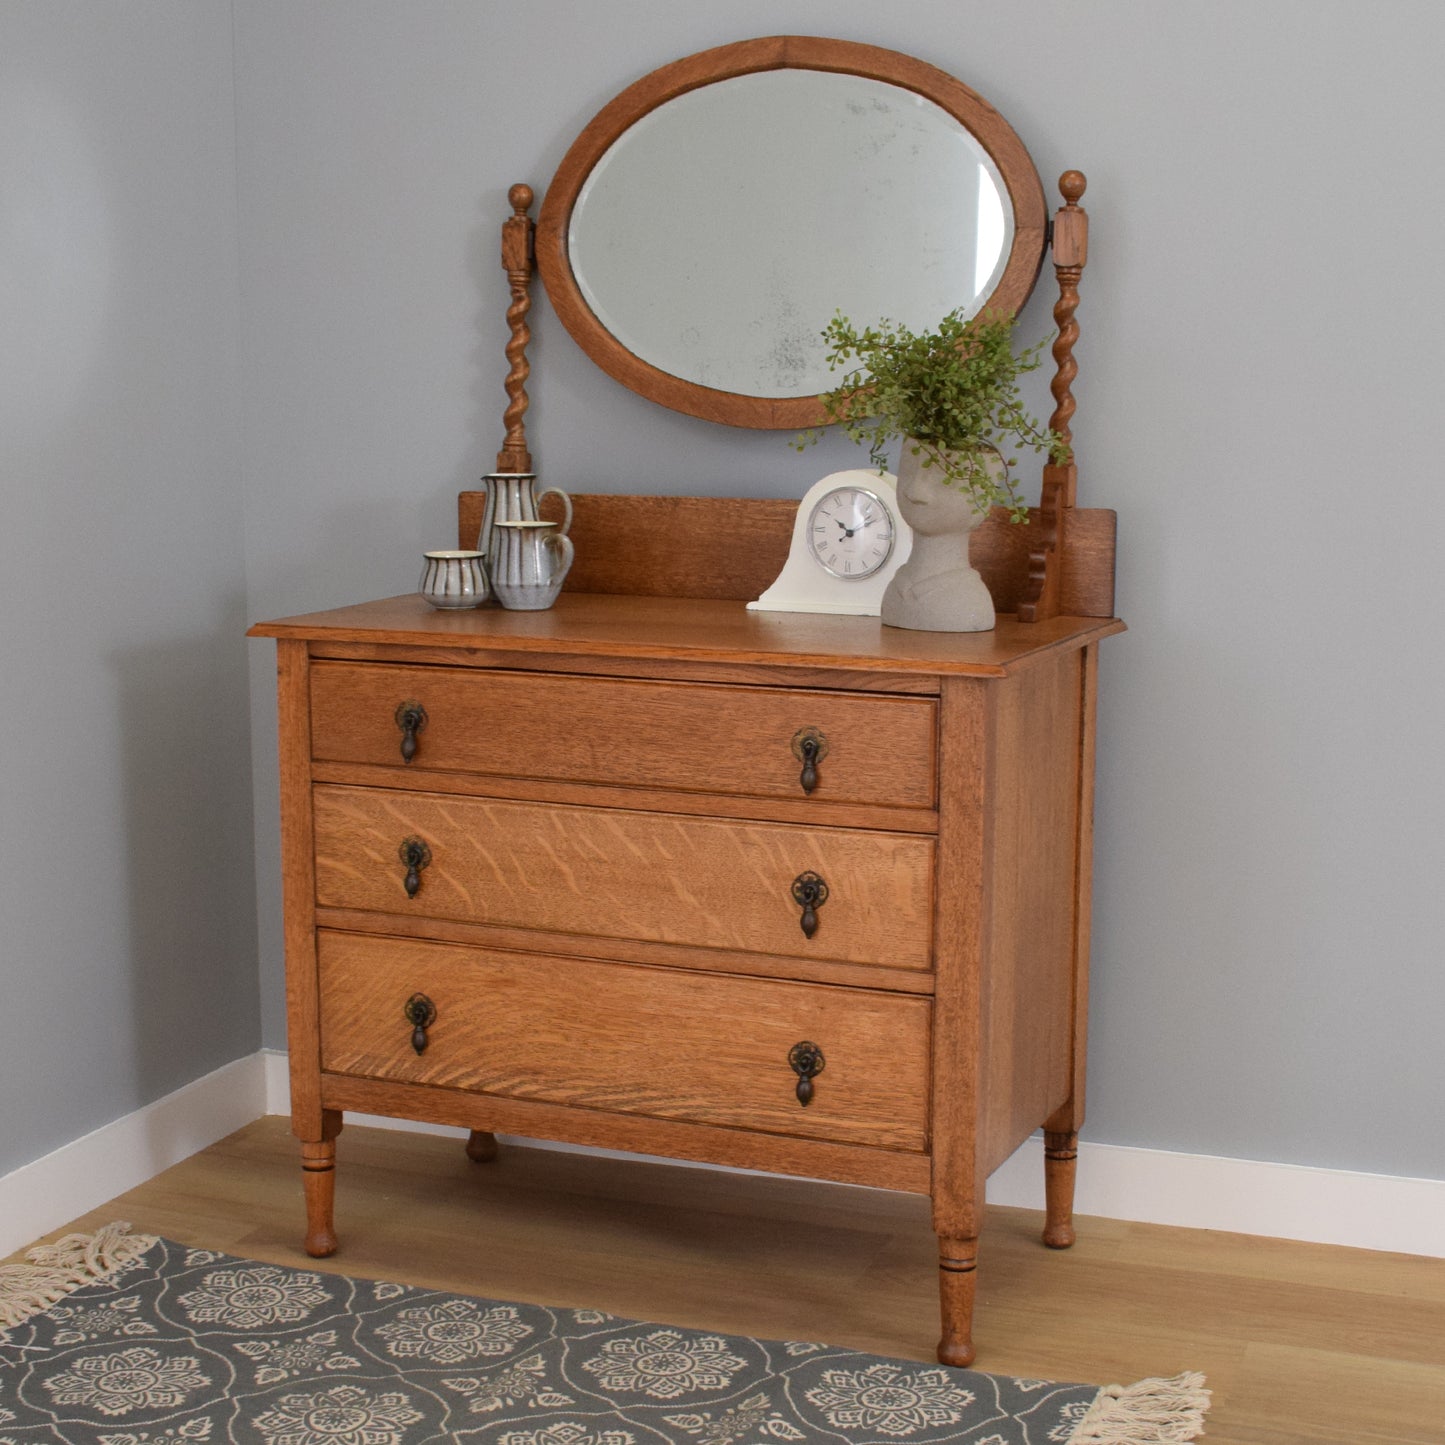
(585, 624)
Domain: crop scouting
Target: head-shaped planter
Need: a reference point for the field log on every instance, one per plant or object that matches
(937, 589)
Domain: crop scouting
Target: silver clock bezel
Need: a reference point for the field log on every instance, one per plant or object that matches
(892, 533)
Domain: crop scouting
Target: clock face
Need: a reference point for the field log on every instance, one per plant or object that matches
(851, 533)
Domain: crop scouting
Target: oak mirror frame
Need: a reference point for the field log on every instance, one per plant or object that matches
(646, 228)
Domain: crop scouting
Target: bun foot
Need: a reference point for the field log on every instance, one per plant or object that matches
(1059, 1236)
(959, 1353)
(481, 1146)
(318, 1246)
(957, 1263)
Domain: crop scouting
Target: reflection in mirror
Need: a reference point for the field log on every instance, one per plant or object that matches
(717, 254)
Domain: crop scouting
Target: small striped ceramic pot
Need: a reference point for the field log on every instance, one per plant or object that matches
(452, 580)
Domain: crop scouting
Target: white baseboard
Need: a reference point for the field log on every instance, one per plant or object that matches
(1159, 1186)
(1156, 1186)
(75, 1178)
(1240, 1196)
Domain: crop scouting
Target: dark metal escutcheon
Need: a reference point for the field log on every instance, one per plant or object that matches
(411, 719)
(810, 893)
(416, 855)
(810, 747)
(421, 1014)
(807, 1063)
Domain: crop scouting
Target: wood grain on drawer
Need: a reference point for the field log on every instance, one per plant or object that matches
(693, 736)
(704, 1047)
(611, 872)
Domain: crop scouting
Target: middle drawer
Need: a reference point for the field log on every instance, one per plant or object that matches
(614, 873)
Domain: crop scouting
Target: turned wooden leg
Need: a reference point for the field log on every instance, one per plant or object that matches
(957, 1277)
(481, 1146)
(318, 1178)
(1061, 1154)
(318, 1175)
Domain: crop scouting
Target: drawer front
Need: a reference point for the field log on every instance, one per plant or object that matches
(611, 872)
(708, 1048)
(694, 736)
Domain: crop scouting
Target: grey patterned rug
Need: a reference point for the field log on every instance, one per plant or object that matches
(118, 1339)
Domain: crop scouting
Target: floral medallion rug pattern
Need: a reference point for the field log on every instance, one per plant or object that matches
(172, 1344)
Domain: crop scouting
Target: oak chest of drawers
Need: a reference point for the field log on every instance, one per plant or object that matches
(781, 891)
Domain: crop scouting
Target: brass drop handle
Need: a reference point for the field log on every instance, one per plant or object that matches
(421, 1014)
(411, 719)
(810, 893)
(416, 855)
(806, 1060)
(810, 747)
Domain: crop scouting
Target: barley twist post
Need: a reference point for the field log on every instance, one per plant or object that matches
(517, 233)
(1071, 250)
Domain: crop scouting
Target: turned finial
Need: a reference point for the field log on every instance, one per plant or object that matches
(521, 196)
(1072, 185)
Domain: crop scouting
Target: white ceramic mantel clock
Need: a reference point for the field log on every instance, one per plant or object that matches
(848, 541)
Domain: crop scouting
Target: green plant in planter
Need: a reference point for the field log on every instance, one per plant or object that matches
(950, 393)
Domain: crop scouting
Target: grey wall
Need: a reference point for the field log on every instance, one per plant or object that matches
(127, 922)
(1257, 400)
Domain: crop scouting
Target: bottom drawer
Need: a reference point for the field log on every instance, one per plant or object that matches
(708, 1048)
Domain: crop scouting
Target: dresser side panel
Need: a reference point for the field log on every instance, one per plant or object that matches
(1070, 1115)
(1027, 983)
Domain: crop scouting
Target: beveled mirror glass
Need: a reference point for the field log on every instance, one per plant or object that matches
(707, 224)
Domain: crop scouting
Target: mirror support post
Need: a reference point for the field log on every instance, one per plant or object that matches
(1071, 254)
(517, 261)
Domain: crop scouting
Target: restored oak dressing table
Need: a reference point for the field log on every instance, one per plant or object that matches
(652, 872)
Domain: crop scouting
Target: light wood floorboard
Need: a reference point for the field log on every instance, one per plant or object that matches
(1303, 1344)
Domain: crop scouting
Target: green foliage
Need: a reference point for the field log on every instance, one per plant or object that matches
(951, 393)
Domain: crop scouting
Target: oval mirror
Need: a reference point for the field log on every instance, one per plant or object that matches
(707, 224)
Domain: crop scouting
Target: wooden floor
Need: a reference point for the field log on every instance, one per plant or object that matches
(1303, 1344)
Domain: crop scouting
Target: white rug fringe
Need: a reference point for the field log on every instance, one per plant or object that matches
(56, 1270)
(1151, 1412)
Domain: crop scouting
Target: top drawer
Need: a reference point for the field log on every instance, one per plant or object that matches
(699, 737)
